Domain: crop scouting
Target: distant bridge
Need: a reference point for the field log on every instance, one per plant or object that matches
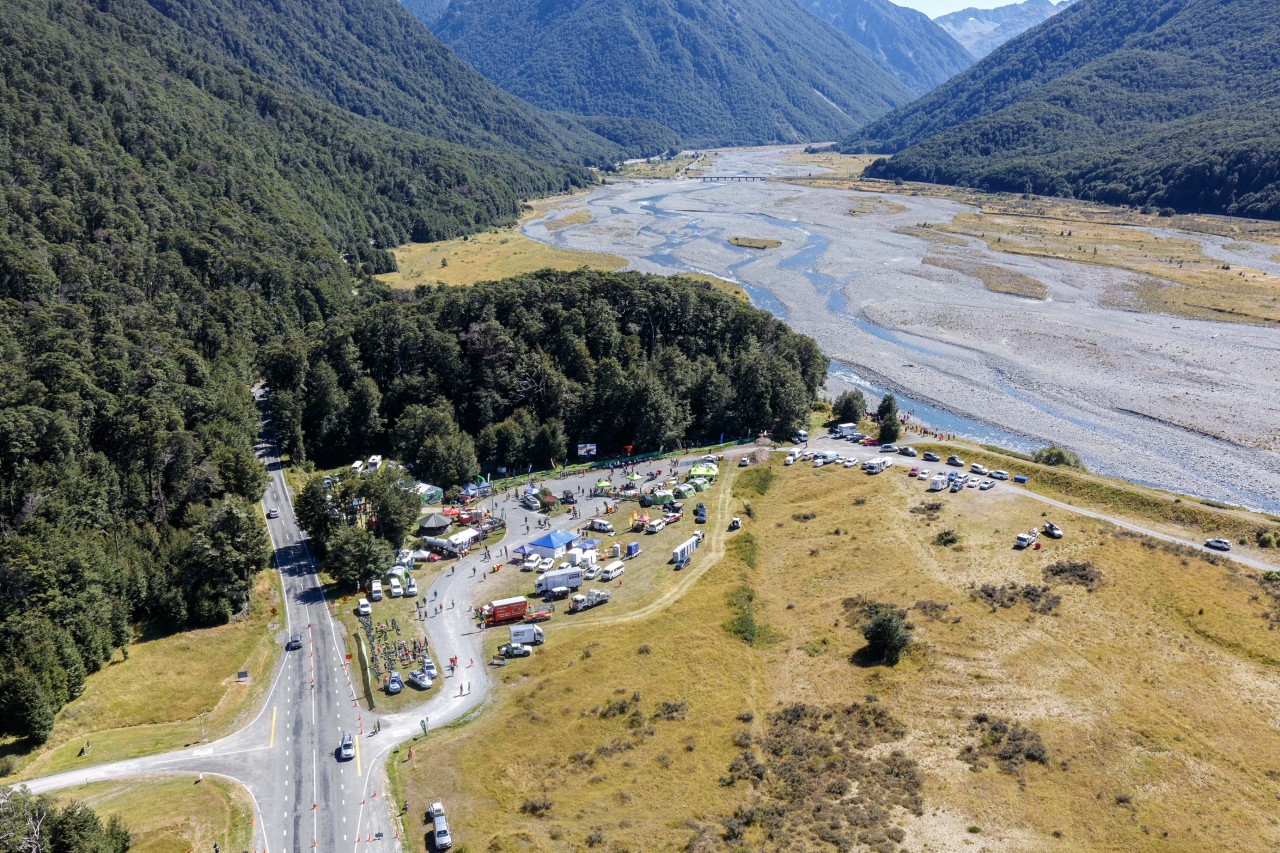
(727, 178)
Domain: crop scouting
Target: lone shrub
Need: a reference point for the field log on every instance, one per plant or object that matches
(1055, 455)
(888, 635)
(536, 808)
(946, 538)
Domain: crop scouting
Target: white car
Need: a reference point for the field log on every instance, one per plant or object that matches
(612, 573)
(655, 526)
(530, 564)
(986, 484)
(420, 679)
(429, 666)
(978, 469)
(923, 475)
(363, 607)
(1218, 544)
(851, 463)
(972, 483)
(591, 573)
(411, 588)
(545, 564)
(1000, 475)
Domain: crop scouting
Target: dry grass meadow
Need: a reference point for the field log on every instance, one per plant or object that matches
(487, 256)
(174, 814)
(155, 699)
(1030, 713)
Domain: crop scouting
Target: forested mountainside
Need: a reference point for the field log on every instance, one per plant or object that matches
(983, 30)
(171, 205)
(512, 373)
(372, 58)
(426, 11)
(915, 50)
(754, 71)
(1170, 103)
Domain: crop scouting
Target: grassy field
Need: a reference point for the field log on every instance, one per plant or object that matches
(156, 699)
(994, 278)
(1030, 713)
(486, 257)
(174, 814)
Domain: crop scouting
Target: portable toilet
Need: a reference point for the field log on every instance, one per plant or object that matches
(617, 550)
(633, 548)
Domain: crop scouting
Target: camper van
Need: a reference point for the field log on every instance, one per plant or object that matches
(375, 591)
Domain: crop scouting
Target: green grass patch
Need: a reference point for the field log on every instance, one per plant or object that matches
(743, 624)
(753, 482)
(174, 815)
(745, 548)
(157, 698)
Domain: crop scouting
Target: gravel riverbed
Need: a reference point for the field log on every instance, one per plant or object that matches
(1189, 405)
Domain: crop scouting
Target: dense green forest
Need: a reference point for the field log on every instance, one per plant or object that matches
(185, 207)
(510, 374)
(754, 71)
(31, 824)
(1167, 103)
(164, 212)
(903, 41)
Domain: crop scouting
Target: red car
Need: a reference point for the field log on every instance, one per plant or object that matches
(913, 472)
(869, 442)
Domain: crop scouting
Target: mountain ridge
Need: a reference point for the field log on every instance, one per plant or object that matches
(1147, 102)
(981, 31)
(907, 44)
(755, 72)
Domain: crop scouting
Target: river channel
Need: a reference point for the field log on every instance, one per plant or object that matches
(1187, 405)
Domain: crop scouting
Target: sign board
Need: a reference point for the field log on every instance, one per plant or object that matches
(242, 675)
(424, 725)
(586, 450)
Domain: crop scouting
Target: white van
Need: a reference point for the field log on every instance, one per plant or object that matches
(612, 571)
(801, 436)
(396, 589)
(375, 591)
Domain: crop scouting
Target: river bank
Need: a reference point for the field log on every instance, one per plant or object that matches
(1185, 404)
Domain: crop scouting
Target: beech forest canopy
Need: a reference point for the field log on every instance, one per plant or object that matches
(514, 373)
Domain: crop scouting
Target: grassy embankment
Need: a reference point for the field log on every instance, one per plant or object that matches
(1154, 508)
(156, 699)
(1150, 694)
(174, 815)
(1173, 275)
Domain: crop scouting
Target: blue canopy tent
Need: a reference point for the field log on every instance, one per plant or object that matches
(553, 545)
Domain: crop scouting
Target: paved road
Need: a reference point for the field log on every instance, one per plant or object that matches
(305, 798)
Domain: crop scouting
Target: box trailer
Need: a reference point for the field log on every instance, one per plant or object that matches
(633, 549)
(530, 635)
(504, 610)
(571, 578)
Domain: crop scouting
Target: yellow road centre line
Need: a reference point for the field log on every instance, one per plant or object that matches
(272, 744)
(359, 772)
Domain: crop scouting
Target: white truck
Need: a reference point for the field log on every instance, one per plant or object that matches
(571, 578)
(938, 483)
(846, 430)
(589, 599)
(599, 525)
(530, 635)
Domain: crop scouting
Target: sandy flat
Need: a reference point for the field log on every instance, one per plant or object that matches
(1189, 405)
